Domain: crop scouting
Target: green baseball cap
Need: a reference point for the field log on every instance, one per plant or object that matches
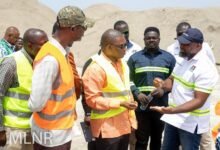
(71, 16)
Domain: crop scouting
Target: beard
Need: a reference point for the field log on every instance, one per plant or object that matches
(182, 54)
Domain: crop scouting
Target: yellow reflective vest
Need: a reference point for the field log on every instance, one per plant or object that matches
(116, 88)
(15, 102)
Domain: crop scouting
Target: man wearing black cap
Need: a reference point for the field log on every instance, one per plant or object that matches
(191, 83)
(174, 48)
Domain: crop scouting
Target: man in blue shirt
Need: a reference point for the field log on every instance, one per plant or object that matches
(145, 65)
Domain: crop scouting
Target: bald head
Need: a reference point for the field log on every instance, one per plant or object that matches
(11, 35)
(109, 37)
(113, 44)
(33, 40)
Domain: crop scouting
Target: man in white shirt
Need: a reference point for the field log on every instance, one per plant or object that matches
(53, 94)
(132, 47)
(191, 83)
(174, 48)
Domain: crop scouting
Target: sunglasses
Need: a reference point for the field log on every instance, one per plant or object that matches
(125, 33)
(122, 46)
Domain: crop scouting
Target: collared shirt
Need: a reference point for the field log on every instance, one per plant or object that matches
(144, 67)
(5, 48)
(196, 74)
(94, 80)
(45, 74)
(131, 49)
(8, 77)
(174, 49)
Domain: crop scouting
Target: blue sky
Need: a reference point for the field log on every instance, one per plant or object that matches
(133, 4)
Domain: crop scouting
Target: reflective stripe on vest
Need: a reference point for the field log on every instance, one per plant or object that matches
(57, 116)
(146, 88)
(116, 88)
(17, 114)
(58, 111)
(19, 96)
(115, 94)
(190, 85)
(15, 102)
(197, 112)
(152, 69)
(55, 97)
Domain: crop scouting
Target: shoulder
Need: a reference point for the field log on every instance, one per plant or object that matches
(205, 66)
(137, 54)
(48, 62)
(167, 54)
(2, 45)
(8, 62)
(135, 45)
(93, 70)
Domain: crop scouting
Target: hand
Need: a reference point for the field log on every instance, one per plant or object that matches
(142, 98)
(131, 105)
(87, 120)
(158, 82)
(3, 138)
(159, 92)
(162, 110)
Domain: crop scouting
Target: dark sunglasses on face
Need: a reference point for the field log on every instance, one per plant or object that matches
(125, 33)
(122, 46)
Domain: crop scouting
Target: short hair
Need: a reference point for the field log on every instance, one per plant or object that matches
(119, 22)
(149, 29)
(181, 24)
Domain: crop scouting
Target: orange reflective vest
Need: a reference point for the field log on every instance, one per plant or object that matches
(58, 112)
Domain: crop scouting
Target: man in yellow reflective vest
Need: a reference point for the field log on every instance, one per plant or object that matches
(107, 91)
(15, 84)
(53, 95)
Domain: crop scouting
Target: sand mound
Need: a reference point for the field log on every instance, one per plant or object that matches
(165, 19)
(25, 14)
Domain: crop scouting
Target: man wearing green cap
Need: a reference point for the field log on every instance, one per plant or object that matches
(53, 95)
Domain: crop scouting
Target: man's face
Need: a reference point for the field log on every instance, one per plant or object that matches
(189, 50)
(118, 47)
(76, 34)
(13, 38)
(182, 30)
(123, 28)
(151, 40)
(18, 44)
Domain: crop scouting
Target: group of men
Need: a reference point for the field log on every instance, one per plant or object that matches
(39, 86)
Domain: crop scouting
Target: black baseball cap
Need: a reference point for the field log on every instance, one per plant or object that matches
(192, 35)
